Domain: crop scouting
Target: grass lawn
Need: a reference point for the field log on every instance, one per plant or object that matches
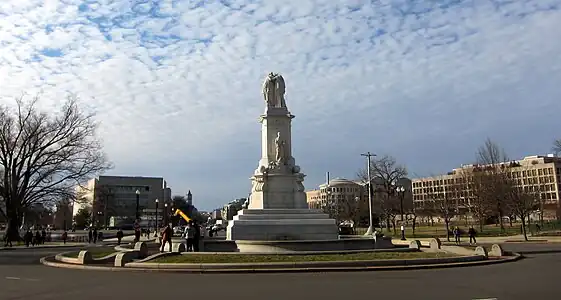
(97, 253)
(439, 230)
(249, 258)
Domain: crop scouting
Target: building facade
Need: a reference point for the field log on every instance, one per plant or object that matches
(338, 190)
(115, 196)
(539, 174)
(348, 200)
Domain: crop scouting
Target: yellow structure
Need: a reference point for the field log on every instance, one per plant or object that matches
(536, 173)
(182, 214)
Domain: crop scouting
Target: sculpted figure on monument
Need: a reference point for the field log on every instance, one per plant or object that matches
(273, 90)
(280, 151)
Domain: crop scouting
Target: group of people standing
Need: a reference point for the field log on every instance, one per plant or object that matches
(192, 235)
(458, 235)
(39, 238)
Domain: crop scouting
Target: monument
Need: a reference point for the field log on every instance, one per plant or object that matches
(277, 208)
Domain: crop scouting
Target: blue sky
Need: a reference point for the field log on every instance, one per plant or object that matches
(176, 85)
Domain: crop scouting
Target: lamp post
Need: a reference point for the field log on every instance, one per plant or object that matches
(401, 194)
(370, 230)
(165, 214)
(137, 214)
(156, 214)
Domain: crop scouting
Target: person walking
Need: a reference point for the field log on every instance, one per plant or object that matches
(119, 236)
(64, 236)
(94, 235)
(189, 235)
(7, 238)
(167, 234)
(37, 238)
(472, 233)
(28, 237)
(457, 234)
(90, 235)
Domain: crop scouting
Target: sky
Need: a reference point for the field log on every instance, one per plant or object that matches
(176, 85)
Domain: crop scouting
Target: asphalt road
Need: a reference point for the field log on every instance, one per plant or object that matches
(535, 277)
(29, 256)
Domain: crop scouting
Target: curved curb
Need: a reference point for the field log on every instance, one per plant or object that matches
(45, 261)
(41, 248)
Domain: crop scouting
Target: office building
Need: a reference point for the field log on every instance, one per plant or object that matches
(114, 197)
(539, 174)
(343, 192)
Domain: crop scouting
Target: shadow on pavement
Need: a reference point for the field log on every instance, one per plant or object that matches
(548, 251)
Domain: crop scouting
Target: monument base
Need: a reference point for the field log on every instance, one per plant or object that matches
(281, 224)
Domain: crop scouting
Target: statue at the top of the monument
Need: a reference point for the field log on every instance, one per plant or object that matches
(280, 149)
(273, 90)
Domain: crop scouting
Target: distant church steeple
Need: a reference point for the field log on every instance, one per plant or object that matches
(189, 198)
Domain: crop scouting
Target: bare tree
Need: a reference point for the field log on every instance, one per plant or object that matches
(443, 202)
(353, 209)
(411, 215)
(522, 201)
(385, 173)
(493, 162)
(556, 147)
(472, 182)
(105, 205)
(43, 157)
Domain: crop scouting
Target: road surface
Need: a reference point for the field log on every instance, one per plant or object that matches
(535, 277)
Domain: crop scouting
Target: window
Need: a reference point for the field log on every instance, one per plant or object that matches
(540, 172)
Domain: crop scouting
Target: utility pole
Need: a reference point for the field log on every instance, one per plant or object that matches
(368, 156)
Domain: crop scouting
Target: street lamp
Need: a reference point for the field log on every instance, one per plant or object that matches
(137, 215)
(401, 194)
(371, 219)
(156, 214)
(166, 214)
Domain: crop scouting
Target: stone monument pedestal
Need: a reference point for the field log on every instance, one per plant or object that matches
(277, 208)
(281, 224)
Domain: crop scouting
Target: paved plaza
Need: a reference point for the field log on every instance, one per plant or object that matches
(535, 277)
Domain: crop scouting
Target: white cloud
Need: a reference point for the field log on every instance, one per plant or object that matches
(177, 85)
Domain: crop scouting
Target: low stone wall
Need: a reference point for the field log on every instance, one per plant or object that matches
(308, 265)
(320, 245)
(85, 258)
(305, 252)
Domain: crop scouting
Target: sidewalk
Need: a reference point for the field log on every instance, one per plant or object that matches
(129, 239)
(44, 246)
(490, 240)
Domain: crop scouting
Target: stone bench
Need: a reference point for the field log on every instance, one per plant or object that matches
(416, 244)
(125, 257)
(481, 251)
(435, 244)
(496, 250)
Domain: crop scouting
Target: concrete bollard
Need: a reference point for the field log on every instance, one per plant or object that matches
(496, 250)
(416, 244)
(141, 249)
(124, 257)
(435, 244)
(179, 247)
(481, 251)
(85, 257)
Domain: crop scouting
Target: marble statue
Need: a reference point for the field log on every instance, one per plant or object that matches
(273, 90)
(277, 207)
(280, 151)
